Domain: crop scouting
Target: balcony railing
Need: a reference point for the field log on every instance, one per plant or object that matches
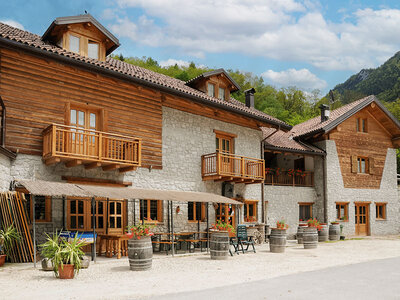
(290, 179)
(230, 167)
(82, 146)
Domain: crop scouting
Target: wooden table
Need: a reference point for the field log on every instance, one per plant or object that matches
(115, 244)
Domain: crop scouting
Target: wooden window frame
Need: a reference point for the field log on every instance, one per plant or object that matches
(160, 211)
(359, 167)
(359, 125)
(246, 209)
(346, 211)
(48, 210)
(91, 41)
(383, 205)
(101, 114)
(310, 205)
(215, 89)
(219, 216)
(221, 135)
(202, 214)
(219, 89)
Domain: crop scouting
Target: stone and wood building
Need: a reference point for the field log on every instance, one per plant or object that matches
(71, 113)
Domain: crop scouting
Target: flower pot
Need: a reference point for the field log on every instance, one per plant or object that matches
(66, 271)
(47, 265)
(140, 253)
(2, 259)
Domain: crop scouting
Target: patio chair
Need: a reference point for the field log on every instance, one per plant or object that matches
(243, 239)
(234, 241)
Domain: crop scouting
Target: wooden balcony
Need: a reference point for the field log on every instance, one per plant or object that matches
(232, 168)
(283, 178)
(77, 146)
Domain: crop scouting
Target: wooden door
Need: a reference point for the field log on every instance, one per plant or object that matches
(224, 145)
(226, 213)
(83, 136)
(361, 218)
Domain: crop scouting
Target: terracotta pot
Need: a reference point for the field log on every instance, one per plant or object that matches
(2, 259)
(67, 272)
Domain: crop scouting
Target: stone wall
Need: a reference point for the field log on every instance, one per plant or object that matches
(5, 177)
(386, 193)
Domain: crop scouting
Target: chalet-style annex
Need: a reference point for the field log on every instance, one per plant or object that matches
(71, 113)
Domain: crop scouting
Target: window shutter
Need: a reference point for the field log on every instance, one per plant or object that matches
(354, 164)
(159, 210)
(371, 166)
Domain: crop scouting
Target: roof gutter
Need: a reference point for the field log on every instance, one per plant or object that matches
(112, 73)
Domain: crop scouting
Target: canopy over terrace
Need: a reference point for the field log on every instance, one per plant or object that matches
(59, 189)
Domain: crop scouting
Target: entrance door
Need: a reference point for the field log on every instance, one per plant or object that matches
(224, 145)
(361, 218)
(83, 139)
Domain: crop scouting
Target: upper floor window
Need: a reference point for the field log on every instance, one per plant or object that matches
(361, 125)
(211, 89)
(362, 164)
(93, 50)
(221, 93)
(74, 44)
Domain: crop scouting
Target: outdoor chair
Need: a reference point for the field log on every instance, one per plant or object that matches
(234, 241)
(243, 239)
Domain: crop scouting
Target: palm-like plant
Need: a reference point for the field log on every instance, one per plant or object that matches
(8, 237)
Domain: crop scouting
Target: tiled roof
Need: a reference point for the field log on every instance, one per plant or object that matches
(283, 140)
(33, 40)
(339, 114)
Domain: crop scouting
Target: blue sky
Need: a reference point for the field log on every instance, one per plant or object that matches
(308, 44)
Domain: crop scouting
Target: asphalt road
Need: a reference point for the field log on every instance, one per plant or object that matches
(378, 279)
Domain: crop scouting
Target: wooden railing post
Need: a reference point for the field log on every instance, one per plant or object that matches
(53, 139)
(218, 162)
(293, 179)
(100, 151)
(242, 166)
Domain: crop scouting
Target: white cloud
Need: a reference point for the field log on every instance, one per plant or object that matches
(13, 23)
(286, 30)
(173, 62)
(302, 78)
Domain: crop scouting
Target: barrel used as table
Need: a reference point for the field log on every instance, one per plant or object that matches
(323, 233)
(140, 253)
(219, 245)
(310, 237)
(334, 232)
(277, 240)
(299, 234)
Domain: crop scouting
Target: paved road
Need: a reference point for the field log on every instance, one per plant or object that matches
(378, 279)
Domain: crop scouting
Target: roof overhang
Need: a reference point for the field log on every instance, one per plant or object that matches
(213, 73)
(60, 189)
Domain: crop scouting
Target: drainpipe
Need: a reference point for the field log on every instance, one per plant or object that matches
(3, 123)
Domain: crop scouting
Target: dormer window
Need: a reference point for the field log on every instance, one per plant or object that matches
(93, 49)
(211, 90)
(74, 43)
(221, 93)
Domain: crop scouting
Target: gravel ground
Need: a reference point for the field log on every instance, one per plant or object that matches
(112, 279)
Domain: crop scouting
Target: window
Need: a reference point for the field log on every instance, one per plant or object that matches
(226, 213)
(361, 125)
(74, 44)
(42, 208)
(250, 211)
(305, 211)
(196, 211)
(221, 93)
(151, 210)
(211, 90)
(342, 211)
(380, 211)
(93, 50)
(115, 216)
(224, 142)
(362, 164)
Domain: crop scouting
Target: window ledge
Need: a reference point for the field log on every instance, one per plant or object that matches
(342, 221)
(380, 219)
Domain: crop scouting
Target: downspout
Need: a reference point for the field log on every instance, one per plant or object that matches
(262, 183)
(3, 123)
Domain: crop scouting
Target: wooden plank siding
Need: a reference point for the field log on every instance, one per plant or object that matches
(371, 144)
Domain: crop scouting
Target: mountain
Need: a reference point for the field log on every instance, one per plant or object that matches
(383, 82)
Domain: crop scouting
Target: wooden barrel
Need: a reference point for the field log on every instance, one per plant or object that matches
(334, 232)
(323, 233)
(299, 234)
(310, 237)
(277, 240)
(219, 245)
(140, 253)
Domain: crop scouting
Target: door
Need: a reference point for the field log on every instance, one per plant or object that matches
(361, 218)
(83, 136)
(224, 145)
(226, 213)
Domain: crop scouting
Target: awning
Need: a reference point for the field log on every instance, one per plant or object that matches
(59, 189)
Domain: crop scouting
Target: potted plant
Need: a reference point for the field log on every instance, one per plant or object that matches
(221, 233)
(65, 255)
(8, 237)
(277, 241)
(140, 249)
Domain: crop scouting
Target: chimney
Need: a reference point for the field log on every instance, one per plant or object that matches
(249, 94)
(324, 112)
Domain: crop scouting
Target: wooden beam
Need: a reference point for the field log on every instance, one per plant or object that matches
(127, 169)
(111, 167)
(73, 163)
(93, 165)
(224, 178)
(52, 161)
(379, 123)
